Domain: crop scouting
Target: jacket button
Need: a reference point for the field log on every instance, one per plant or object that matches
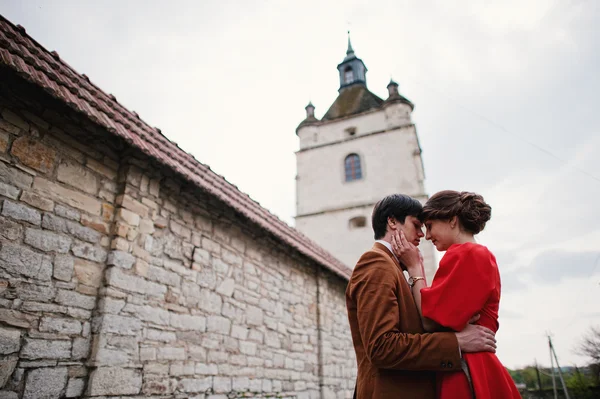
(449, 365)
(443, 365)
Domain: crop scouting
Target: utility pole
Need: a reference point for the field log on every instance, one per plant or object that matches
(537, 371)
(552, 369)
(552, 351)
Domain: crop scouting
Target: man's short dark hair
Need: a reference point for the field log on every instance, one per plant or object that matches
(398, 206)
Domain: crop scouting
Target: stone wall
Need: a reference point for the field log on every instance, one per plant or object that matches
(117, 278)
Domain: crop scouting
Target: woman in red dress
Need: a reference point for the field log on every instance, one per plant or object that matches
(466, 286)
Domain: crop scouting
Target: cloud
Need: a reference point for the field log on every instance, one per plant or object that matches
(554, 266)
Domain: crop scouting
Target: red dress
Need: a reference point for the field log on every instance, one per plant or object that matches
(468, 283)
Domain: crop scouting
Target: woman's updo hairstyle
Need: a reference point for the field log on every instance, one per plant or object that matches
(470, 208)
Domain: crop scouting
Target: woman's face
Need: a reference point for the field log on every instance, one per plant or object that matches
(440, 233)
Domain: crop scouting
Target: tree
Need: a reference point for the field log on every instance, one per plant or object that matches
(590, 347)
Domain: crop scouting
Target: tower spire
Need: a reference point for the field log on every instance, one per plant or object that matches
(350, 51)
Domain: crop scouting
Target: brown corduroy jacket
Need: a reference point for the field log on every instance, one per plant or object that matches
(396, 358)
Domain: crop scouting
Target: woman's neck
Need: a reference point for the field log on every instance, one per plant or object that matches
(464, 237)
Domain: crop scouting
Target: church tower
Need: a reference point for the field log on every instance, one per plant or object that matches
(361, 150)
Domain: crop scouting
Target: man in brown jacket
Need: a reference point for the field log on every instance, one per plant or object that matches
(396, 358)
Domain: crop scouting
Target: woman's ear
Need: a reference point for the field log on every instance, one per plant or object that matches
(453, 222)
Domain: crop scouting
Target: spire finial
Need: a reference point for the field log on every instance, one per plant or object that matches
(350, 49)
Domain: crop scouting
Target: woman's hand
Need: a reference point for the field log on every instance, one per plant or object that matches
(408, 254)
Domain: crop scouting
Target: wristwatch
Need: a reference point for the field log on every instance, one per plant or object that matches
(413, 280)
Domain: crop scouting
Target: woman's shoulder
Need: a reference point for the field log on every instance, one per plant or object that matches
(471, 250)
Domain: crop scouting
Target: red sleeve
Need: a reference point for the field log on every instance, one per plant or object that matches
(461, 286)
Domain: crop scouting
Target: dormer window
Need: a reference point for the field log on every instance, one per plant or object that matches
(348, 75)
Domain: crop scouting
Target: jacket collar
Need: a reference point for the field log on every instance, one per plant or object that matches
(381, 247)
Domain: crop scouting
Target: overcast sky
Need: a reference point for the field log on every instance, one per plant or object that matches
(506, 96)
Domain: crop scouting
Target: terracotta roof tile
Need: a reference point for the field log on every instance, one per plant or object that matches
(34, 63)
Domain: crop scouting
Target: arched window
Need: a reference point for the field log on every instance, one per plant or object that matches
(348, 75)
(352, 167)
(357, 222)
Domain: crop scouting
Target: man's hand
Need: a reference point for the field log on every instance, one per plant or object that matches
(476, 338)
(407, 253)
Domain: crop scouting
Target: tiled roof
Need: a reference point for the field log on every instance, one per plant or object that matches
(45, 69)
(352, 100)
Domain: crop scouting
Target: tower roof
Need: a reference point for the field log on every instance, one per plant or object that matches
(352, 100)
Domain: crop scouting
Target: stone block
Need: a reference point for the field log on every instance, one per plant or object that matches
(75, 387)
(111, 305)
(114, 381)
(170, 353)
(74, 174)
(81, 348)
(45, 349)
(147, 354)
(15, 120)
(4, 138)
(14, 176)
(115, 324)
(148, 313)
(161, 336)
(187, 322)
(60, 325)
(221, 384)
(22, 212)
(47, 241)
(180, 230)
(88, 273)
(88, 251)
(72, 198)
(32, 153)
(226, 287)
(116, 277)
(67, 212)
(45, 383)
(201, 256)
(254, 316)
(248, 348)
(8, 395)
(37, 201)
(239, 332)
(83, 233)
(218, 324)
(7, 366)
(21, 260)
(128, 217)
(9, 229)
(210, 301)
(95, 223)
(9, 191)
(72, 298)
(195, 385)
(10, 341)
(161, 275)
(134, 206)
(101, 168)
(121, 259)
(63, 267)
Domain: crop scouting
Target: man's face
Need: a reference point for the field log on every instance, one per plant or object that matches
(413, 229)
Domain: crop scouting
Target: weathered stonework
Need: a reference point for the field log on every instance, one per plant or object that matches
(118, 278)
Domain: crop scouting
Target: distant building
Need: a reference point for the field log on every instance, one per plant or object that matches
(363, 149)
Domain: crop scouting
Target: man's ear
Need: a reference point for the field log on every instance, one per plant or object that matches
(391, 222)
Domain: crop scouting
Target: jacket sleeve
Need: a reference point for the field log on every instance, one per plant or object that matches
(378, 320)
